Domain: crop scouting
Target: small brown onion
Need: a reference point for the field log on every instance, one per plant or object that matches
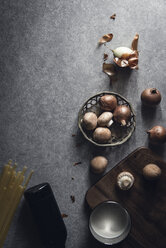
(151, 97)
(122, 114)
(157, 135)
(102, 135)
(108, 102)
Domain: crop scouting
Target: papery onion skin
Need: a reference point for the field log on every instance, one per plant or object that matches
(151, 97)
(157, 135)
(134, 44)
(108, 102)
(122, 114)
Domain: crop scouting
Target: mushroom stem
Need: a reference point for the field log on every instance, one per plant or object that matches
(110, 123)
(123, 122)
(126, 183)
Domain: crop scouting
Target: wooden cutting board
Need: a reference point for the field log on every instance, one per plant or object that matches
(145, 201)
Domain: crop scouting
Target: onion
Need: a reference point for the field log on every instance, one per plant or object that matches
(157, 135)
(151, 97)
(122, 114)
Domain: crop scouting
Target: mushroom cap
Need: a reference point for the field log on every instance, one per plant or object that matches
(104, 119)
(90, 120)
(122, 114)
(98, 164)
(151, 171)
(125, 180)
(108, 102)
(102, 134)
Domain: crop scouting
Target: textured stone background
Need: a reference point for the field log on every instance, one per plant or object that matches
(49, 66)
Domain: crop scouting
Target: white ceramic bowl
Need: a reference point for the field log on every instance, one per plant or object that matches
(109, 223)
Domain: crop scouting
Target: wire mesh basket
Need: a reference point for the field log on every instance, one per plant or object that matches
(120, 134)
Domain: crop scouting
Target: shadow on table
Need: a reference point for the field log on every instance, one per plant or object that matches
(149, 114)
(27, 228)
(120, 85)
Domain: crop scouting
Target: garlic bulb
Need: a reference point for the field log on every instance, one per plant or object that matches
(125, 180)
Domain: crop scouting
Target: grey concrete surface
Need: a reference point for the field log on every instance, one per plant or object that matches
(49, 65)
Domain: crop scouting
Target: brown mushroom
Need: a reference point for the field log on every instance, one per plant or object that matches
(151, 171)
(102, 135)
(105, 119)
(98, 164)
(125, 180)
(108, 102)
(90, 120)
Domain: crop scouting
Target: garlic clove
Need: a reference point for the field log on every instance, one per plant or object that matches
(125, 180)
(122, 52)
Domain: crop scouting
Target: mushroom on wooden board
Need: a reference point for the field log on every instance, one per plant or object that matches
(125, 180)
(151, 171)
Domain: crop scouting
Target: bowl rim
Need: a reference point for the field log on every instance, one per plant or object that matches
(107, 144)
(111, 241)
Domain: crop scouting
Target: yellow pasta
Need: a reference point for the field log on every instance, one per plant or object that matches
(11, 191)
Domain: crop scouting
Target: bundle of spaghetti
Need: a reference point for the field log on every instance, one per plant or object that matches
(11, 191)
